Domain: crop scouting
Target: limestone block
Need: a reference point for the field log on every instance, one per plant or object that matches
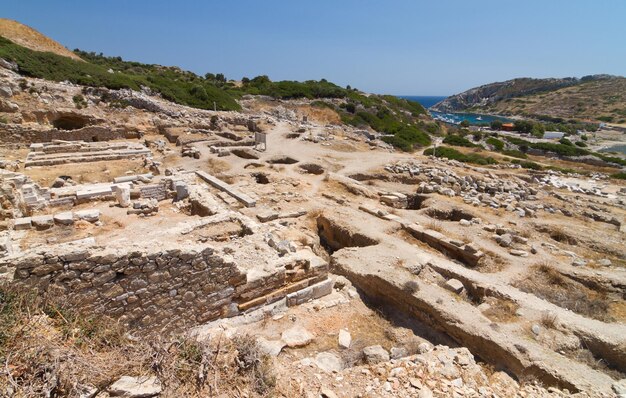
(91, 215)
(65, 218)
(135, 387)
(23, 223)
(43, 222)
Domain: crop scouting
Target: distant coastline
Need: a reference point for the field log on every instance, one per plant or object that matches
(428, 101)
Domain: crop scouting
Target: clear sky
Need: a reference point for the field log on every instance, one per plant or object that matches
(403, 47)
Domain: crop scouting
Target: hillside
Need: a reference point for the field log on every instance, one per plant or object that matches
(384, 114)
(598, 97)
(30, 38)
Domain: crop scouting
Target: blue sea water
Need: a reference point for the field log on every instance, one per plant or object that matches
(425, 100)
(452, 118)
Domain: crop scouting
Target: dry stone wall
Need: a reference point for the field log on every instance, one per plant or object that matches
(17, 134)
(162, 291)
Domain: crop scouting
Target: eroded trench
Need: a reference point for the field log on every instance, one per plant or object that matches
(402, 305)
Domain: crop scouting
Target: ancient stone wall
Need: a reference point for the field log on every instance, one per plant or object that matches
(13, 134)
(163, 291)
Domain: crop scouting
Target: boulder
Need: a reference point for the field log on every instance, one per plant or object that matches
(270, 347)
(296, 336)
(135, 387)
(328, 362)
(375, 353)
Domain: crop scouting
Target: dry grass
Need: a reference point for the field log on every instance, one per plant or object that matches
(435, 226)
(501, 310)
(49, 349)
(549, 319)
(549, 284)
(217, 166)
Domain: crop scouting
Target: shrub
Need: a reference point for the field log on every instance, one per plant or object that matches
(527, 165)
(496, 143)
(450, 153)
(581, 144)
(458, 140)
(619, 176)
(496, 124)
(514, 153)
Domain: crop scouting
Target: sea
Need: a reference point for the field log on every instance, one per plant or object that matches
(453, 118)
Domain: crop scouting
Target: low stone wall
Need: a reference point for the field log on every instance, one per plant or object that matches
(15, 133)
(466, 253)
(162, 291)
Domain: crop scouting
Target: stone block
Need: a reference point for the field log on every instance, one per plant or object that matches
(91, 215)
(65, 218)
(23, 223)
(43, 222)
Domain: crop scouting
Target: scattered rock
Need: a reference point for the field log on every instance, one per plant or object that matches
(135, 387)
(297, 336)
(374, 354)
(328, 362)
(454, 285)
(345, 339)
(536, 329)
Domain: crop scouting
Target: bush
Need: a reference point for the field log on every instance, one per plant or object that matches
(619, 176)
(496, 143)
(174, 84)
(581, 144)
(450, 153)
(496, 124)
(514, 153)
(527, 165)
(458, 140)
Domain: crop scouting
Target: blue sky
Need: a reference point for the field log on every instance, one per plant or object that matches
(398, 47)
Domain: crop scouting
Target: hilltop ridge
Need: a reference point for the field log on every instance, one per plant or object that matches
(30, 38)
(594, 97)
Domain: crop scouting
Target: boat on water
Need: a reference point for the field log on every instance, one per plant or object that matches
(479, 118)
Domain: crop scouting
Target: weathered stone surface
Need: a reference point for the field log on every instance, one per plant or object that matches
(23, 223)
(65, 218)
(135, 387)
(345, 339)
(328, 362)
(271, 347)
(91, 215)
(43, 222)
(454, 285)
(297, 336)
(376, 353)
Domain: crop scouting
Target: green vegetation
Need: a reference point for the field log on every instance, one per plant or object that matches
(514, 153)
(563, 149)
(112, 72)
(496, 143)
(526, 164)
(450, 153)
(383, 113)
(620, 176)
(457, 140)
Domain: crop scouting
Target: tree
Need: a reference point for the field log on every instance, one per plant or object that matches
(465, 123)
(348, 87)
(245, 80)
(350, 107)
(496, 124)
